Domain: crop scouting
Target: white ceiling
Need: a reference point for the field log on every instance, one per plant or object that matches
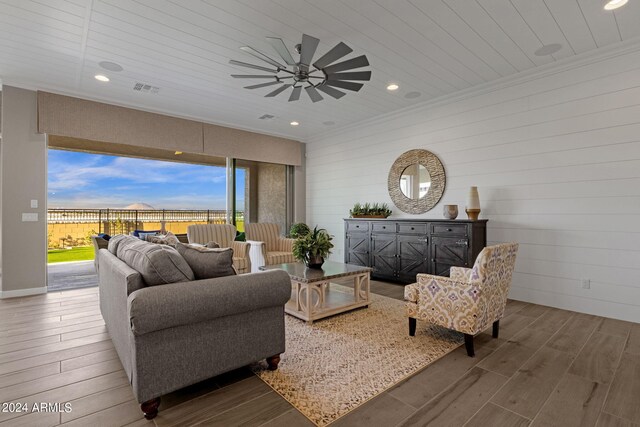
(434, 47)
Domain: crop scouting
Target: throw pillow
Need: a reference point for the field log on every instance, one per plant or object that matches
(137, 232)
(143, 235)
(115, 241)
(169, 239)
(157, 264)
(208, 263)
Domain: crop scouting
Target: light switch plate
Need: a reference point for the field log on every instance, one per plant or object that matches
(29, 217)
(34, 204)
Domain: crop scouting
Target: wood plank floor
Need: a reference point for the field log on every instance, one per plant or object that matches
(549, 367)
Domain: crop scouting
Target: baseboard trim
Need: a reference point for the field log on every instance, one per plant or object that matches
(23, 292)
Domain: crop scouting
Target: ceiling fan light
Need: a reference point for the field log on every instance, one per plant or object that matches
(614, 4)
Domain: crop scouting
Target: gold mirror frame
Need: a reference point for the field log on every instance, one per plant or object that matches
(438, 181)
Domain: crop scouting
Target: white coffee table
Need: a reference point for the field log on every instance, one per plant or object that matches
(311, 295)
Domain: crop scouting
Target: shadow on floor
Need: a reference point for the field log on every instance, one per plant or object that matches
(71, 275)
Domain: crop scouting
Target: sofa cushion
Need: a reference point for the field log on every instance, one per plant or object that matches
(157, 264)
(208, 263)
(116, 240)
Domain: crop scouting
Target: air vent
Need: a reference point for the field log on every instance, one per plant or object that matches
(146, 88)
(266, 117)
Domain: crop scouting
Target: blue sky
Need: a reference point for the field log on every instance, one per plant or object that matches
(82, 180)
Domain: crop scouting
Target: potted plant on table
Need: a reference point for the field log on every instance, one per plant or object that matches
(298, 229)
(313, 247)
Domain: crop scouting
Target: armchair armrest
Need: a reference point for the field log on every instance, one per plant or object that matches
(241, 249)
(162, 307)
(448, 302)
(462, 274)
(285, 244)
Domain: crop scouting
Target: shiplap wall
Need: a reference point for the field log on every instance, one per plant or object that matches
(556, 158)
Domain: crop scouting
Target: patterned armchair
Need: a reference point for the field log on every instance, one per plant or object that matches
(274, 248)
(223, 235)
(470, 299)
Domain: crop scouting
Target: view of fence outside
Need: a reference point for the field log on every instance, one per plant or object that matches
(73, 227)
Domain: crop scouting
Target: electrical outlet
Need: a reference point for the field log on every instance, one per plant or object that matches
(586, 283)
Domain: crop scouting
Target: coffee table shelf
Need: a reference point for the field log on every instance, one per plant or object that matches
(311, 295)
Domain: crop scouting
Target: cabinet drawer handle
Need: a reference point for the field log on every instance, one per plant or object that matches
(448, 229)
(412, 228)
(384, 227)
(357, 226)
(433, 260)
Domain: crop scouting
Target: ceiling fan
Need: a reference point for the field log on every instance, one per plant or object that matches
(319, 76)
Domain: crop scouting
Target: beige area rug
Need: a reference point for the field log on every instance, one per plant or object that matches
(336, 364)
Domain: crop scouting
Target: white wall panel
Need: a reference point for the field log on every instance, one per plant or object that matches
(556, 158)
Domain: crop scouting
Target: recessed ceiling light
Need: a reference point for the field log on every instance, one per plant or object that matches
(177, 153)
(329, 123)
(110, 66)
(412, 95)
(614, 4)
(548, 49)
(294, 123)
(393, 86)
(101, 78)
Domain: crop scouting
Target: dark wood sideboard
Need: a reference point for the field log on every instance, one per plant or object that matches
(398, 249)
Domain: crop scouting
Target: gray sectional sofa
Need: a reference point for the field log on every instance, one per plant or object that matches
(169, 336)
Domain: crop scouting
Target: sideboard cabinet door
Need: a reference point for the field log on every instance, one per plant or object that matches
(413, 257)
(383, 255)
(357, 249)
(447, 252)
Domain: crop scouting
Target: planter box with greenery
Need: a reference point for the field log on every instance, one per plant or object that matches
(368, 210)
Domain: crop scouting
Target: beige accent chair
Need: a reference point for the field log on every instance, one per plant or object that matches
(223, 235)
(274, 248)
(468, 301)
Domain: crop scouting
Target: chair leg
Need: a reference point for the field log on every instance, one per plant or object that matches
(468, 343)
(150, 408)
(496, 329)
(412, 326)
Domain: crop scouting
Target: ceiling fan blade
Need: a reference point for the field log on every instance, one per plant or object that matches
(308, 48)
(345, 85)
(261, 56)
(251, 76)
(295, 93)
(282, 50)
(263, 85)
(358, 75)
(357, 62)
(337, 52)
(255, 67)
(277, 91)
(337, 94)
(313, 94)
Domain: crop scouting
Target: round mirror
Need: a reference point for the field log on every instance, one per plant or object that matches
(415, 181)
